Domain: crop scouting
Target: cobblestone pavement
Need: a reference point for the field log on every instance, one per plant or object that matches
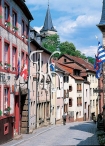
(77, 133)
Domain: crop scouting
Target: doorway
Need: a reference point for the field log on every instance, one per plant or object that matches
(17, 115)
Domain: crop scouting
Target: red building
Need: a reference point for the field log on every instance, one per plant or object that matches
(14, 26)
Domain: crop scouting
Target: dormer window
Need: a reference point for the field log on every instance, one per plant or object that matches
(64, 60)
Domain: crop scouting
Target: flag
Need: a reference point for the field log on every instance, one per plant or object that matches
(24, 72)
(99, 59)
(52, 66)
(101, 54)
(18, 69)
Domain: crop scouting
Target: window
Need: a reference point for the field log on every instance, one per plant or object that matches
(22, 59)
(86, 92)
(79, 87)
(70, 88)
(93, 91)
(85, 104)
(70, 102)
(66, 79)
(6, 53)
(93, 102)
(6, 100)
(14, 19)
(79, 101)
(14, 59)
(22, 27)
(6, 12)
(26, 30)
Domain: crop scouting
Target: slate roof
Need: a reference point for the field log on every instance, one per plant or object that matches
(24, 8)
(102, 21)
(48, 25)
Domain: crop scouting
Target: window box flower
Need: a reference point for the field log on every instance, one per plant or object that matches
(7, 111)
(7, 23)
(7, 65)
(0, 112)
(1, 63)
(23, 36)
(15, 29)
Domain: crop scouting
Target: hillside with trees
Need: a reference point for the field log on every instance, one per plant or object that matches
(52, 43)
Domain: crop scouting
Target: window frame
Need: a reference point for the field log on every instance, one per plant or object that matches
(14, 23)
(7, 96)
(70, 101)
(15, 57)
(8, 53)
(6, 12)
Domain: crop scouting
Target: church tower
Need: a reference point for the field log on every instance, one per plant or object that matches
(48, 28)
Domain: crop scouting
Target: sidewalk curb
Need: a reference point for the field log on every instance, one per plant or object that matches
(22, 141)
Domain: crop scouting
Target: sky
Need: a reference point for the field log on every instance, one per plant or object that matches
(74, 20)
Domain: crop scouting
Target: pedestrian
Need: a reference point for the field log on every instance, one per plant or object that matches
(64, 119)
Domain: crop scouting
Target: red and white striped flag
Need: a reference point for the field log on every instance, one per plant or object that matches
(24, 72)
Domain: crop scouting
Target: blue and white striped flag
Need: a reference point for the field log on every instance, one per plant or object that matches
(99, 59)
(101, 54)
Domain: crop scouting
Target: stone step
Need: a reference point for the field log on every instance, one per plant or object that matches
(17, 137)
(24, 130)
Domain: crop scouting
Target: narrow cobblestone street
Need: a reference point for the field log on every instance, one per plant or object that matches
(78, 133)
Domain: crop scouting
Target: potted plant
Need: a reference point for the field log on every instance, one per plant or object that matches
(15, 29)
(7, 23)
(0, 16)
(0, 112)
(7, 110)
(6, 65)
(1, 63)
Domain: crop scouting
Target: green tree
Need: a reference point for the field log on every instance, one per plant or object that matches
(91, 59)
(51, 42)
(67, 48)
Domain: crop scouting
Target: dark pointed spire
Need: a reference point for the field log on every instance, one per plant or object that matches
(48, 25)
(102, 21)
(101, 25)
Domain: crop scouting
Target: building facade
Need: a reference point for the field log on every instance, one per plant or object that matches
(14, 24)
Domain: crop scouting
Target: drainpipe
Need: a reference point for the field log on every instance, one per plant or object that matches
(28, 79)
(36, 90)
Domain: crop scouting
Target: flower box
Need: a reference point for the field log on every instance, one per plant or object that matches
(7, 23)
(7, 65)
(0, 112)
